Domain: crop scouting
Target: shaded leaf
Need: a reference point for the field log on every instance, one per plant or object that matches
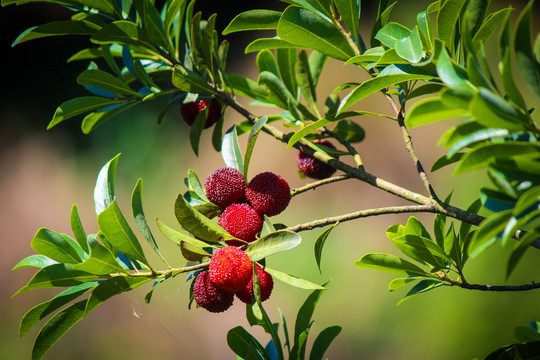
(319, 244)
(293, 280)
(253, 20)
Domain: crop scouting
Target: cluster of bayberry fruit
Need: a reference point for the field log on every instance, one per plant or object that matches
(231, 270)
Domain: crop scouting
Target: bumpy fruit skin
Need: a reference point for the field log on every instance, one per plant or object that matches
(314, 168)
(266, 284)
(209, 296)
(241, 221)
(190, 111)
(230, 269)
(225, 186)
(268, 193)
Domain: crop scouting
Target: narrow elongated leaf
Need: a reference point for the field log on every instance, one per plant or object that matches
(34, 261)
(527, 62)
(304, 79)
(305, 28)
(489, 26)
(93, 120)
(243, 344)
(78, 106)
(252, 139)
(38, 312)
(518, 251)
(179, 238)
(293, 280)
(319, 244)
(399, 282)
(54, 28)
(196, 129)
(106, 81)
(282, 95)
(447, 19)
(140, 219)
(78, 230)
(253, 20)
(267, 43)
(323, 340)
(421, 287)
(230, 150)
(55, 246)
(286, 61)
(197, 224)
(116, 229)
(247, 87)
(123, 32)
(528, 333)
(104, 191)
(375, 84)
(350, 14)
(57, 275)
(189, 81)
(100, 262)
(488, 232)
(431, 110)
(451, 74)
(273, 243)
(390, 263)
(306, 130)
(421, 249)
(56, 327)
(317, 60)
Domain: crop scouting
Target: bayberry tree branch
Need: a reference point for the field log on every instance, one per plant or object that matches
(499, 288)
(316, 184)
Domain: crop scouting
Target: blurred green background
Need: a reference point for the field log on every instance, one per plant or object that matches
(44, 172)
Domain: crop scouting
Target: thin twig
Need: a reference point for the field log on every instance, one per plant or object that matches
(350, 148)
(316, 184)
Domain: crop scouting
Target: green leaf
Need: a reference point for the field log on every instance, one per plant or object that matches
(399, 282)
(421, 249)
(242, 343)
(195, 184)
(447, 19)
(323, 341)
(392, 33)
(452, 247)
(277, 88)
(123, 32)
(105, 81)
(93, 120)
(491, 110)
(78, 230)
(489, 26)
(40, 311)
(306, 130)
(350, 131)
(34, 261)
(196, 223)
(410, 48)
(293, 280)
(104, 191)
(286, 59)
(305, 28)
(484, 154)
(319, 244)
(78, 106)
(57, 275)
(350, 14)
(518, 251)
(273, 243)
(268, 43)
(140, 219)
(421, 287)
(100, 262)
(230, 150)
(189, 81)
(425, 27)
(247, 87)
(476, 136)
(54, 28)
(430, 110)
(527, 333)
(179, 238)
(253, 20)
(266, 62)
(445, 161)
(196, 129)
(527, 63)
(375, 84)
(55, 246)
(488, 231)
(451, 74)
(116, 229)
(317, 60)
(304, 79)
(252, 139)
(390, 263)
(56, 327)
(113, 286)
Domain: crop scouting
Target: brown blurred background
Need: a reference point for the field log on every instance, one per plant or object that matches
(44, 172)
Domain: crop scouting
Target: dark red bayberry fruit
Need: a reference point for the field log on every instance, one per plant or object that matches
(190, 111)
(314, 168)
(209, 296)
(266, 284)
(268, 193)
(230, 268)
(225, 186)
(241, 221)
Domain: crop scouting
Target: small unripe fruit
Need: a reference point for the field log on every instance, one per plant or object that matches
(209, 296)
(225, 186)
(314, 168)
(241, 221)
(230, 268)
(190, 111)
(266, 284)
(268, 193)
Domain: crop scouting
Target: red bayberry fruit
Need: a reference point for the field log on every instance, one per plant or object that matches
(230, 268)
(209, 296)
(190, 111)
(314, 168)
(225, 186)
(268, 193)
(241, 221)
(266, 284)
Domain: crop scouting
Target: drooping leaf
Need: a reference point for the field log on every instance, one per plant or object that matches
(111, 287)
(54, 28)
(390, 263)
(179, 238)
(78, 106)
(488, 232)
(421, 287)
(253, 20)
(319, 244)
(293, 280)
(123, 32)
(106, 81)
(431, 110)
(95, 119)
(273, 243)
(34, 261)
(242, 343)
